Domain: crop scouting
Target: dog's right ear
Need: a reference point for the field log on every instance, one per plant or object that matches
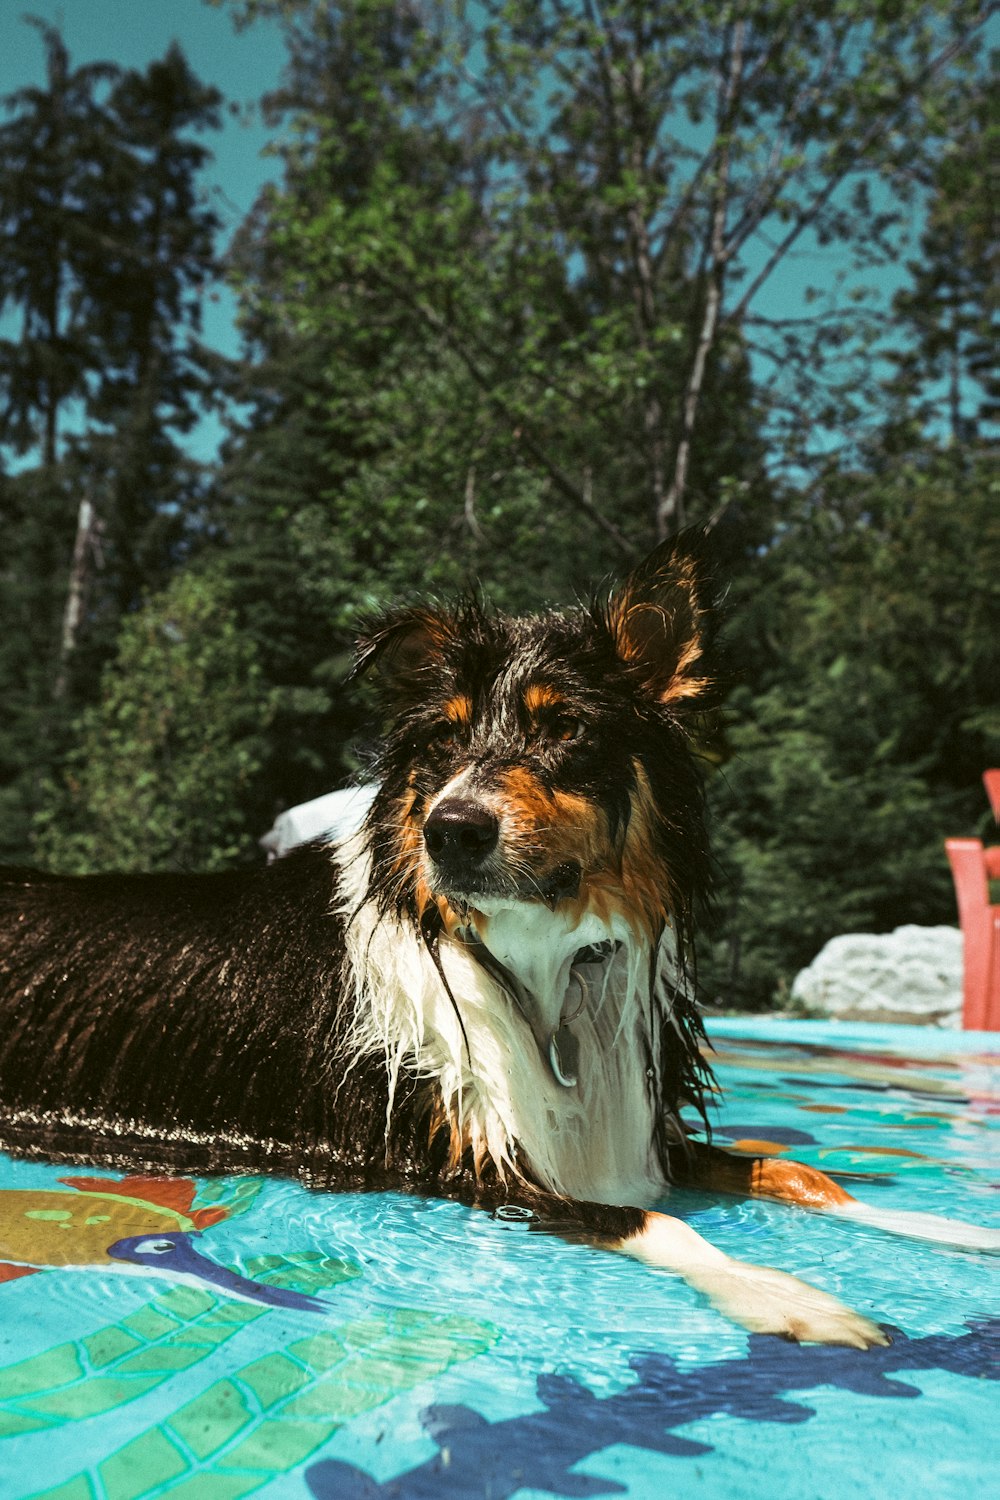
(401, 646)
(659, 617)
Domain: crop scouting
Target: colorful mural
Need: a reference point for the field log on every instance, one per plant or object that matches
(202, 1339)
(265, 1418)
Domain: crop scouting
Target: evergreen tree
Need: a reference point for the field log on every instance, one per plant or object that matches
(302, 542)
(49, 151)
(36, 517)
(947, 370)
(106, 253)
(154, 263)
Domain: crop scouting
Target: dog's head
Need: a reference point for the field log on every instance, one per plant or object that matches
(538, 785)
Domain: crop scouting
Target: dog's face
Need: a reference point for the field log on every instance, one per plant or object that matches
(538, 786)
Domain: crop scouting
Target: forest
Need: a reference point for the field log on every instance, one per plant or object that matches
(541, 282)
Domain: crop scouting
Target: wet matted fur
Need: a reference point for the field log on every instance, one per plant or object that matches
(484, 994)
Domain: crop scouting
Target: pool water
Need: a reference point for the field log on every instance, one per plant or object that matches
(449, 1354)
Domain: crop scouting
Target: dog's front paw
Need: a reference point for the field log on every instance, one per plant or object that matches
(759, 1298)
(767, 1301)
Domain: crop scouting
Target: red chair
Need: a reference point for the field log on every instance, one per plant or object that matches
(972, 869)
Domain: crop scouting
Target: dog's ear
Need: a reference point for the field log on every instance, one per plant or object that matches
(400, 646)
(659, 619)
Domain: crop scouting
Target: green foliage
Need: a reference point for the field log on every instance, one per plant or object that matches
(105, 252)
(103, 242)
(947, 371)
(873, 711)
(36, 515)
(443, 395)
(807, 850)
(508, 317)
(165, 762)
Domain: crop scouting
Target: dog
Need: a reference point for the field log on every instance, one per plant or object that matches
(484, 994)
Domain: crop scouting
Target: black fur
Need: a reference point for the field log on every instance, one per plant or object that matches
(196, 1023)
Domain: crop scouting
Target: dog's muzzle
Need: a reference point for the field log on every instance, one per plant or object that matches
(463, 841)
(460, 836)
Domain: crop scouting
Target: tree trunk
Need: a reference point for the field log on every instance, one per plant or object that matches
(77, 590)
(670, 511)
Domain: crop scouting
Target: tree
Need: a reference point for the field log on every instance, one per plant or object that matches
(499, 314)
(631, 181)
(49, 150)
(949, 311)
(165, 762)
(107, 251)
(294, 560)
(36, 515)
(146, 277)
(506, 295)
(870, 711)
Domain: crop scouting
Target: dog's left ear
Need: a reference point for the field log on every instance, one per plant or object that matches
(659, 617)
(400, 646)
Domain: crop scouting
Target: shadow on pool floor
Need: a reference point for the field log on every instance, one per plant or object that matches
(537, 1450)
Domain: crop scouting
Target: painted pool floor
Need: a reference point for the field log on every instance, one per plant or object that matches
(449, 1355)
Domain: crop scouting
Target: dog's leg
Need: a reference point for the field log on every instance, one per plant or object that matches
(792, 1182)
(759, 1177)
(759, 1298)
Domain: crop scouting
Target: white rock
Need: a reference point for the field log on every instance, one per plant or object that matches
(913, 975)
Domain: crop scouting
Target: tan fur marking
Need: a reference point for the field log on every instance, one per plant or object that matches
(408, 847)
(635, 887)
(425, 897)
(458, 710)
(761, 1177)
(408, 864)
(648, 885)
(546, 828)
(792, 1182)
(649, 631)
(542, 695)
(459, 1140)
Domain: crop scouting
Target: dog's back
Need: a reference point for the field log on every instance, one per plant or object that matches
(172, 1020)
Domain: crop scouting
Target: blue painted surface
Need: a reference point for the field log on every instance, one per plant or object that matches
(455, 1356)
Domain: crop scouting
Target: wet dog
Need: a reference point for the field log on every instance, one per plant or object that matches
(484, 994)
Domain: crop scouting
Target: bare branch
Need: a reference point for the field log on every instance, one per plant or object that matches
(670, 512)
(77, 590)
(875, 131)
(469, 509)
(774, 182)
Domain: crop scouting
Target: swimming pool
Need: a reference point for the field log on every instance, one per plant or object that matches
(455, 1355)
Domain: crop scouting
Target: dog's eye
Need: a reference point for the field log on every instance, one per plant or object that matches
(566, 729)
(448, 735)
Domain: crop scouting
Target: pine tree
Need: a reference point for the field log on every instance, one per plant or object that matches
(49, 151)
(106, 252)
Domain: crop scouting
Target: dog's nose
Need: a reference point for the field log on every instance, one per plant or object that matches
(459, 831)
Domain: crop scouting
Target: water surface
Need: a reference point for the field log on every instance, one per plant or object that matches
(433, 1351)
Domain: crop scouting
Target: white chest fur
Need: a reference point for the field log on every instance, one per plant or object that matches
(591, 1140)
